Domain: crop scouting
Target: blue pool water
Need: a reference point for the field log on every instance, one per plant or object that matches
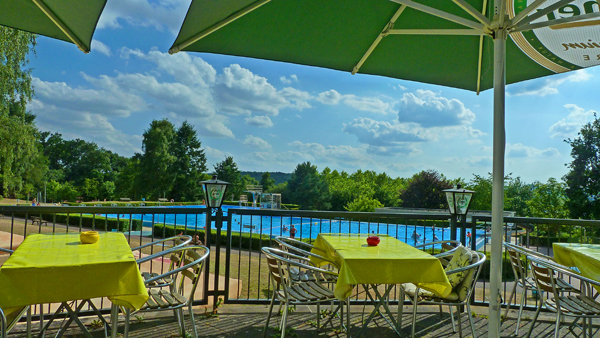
(306, 227)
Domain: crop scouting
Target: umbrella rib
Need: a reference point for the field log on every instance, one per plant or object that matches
(526, 11)
(180, 46)
(579, 18)
(480, 55)
(436, 32)
(384, 32)
(543, 12)
(61, 25)
(473, 12)
(444, 15)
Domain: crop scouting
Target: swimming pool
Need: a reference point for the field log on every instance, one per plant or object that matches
(305, 227)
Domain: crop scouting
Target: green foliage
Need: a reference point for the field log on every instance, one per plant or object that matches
(516, 194)
(227, 170)
(308, 189)
(267, 182)
(425, 190)
(549, 200)
(189, 166)
(364, 204)
(97, 222)
(155, 175)
(583, 178)
(279, 177)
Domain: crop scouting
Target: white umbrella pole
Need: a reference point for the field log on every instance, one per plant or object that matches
(498, 183)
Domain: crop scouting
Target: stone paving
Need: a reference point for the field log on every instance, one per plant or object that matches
(247, 321)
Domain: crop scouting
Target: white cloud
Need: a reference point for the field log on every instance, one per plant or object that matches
(108, 101)
(144, 13)
(520, 150)
(547, 86)
(431, 110)
(385, 138)
(299, 97)
(370, 104)
(285, 80)
(100, 48)
(87, 126)
(259, 121)
(570, 126)
(256, 142)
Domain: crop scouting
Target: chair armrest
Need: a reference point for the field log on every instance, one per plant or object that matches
(4, 323)
(287, 258)
(181, 268)
(184, 238)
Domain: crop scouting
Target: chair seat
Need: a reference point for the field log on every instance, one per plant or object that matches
(410, 289)
(561, 285)
(162, 282)
(575, 305)
(311, 276)
(163, 300)
(306, 292)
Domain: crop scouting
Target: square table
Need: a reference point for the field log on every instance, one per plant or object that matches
(56, 268)
(391, 262)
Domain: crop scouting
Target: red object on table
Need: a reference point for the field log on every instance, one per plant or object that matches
(373, 240)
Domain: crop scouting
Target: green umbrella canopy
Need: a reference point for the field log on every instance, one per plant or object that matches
(469, 44)
(68, 20)
(337, 34)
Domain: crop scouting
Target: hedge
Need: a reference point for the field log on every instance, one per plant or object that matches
(88, 221)
(243, 241)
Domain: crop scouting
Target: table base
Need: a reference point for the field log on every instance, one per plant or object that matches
(73, 317)
(381, 300)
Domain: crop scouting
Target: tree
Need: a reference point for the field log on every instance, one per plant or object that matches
(308, 189)
(155, 175)
(364, 204)
(266, 181)
(189, 166)
(549, 200)
(228, 171)
(21, 166)
(424, 190)
(583, 178)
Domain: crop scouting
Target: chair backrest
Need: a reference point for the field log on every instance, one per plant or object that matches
(303, 249)
(284, 267)
(518, 267)
(466, 287)
(190, 267)
(445, 247)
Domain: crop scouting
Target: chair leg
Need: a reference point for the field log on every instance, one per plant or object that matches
(537, 312)
(400, 308)
(192, 319)
(471, 320)
(512, 294)
(414, 318)
(347, 318)
(269, 316)
(452, 318)
(523, 296)
(318, 316)
(459, 317)
(557, 328)
(181, 322)
(284, 319)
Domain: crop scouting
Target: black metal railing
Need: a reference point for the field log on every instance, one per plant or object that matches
(237, 267)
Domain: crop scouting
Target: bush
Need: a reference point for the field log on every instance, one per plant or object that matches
(243, 241)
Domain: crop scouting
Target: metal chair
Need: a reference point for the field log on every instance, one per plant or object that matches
(300, 248)
(291, 291)
(175, 258)
(579, 304)
(459, 296)
(524, 281)
(175, 298)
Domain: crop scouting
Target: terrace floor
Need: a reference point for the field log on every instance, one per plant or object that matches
(247, 321)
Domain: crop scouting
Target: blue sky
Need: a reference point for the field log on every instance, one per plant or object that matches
(271, 116)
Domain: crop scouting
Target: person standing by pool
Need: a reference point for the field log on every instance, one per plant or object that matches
(415, 236)
(469, 238)
(435, 238)
(292, 231)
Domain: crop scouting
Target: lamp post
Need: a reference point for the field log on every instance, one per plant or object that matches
(214, 192)
(459, 200)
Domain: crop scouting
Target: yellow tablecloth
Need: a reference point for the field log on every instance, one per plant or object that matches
(391, 262)
(54, 268)
(586, 257)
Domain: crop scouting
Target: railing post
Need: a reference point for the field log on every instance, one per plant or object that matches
(218, 225)
(207, 233)
(453, 227)
(463, 230)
